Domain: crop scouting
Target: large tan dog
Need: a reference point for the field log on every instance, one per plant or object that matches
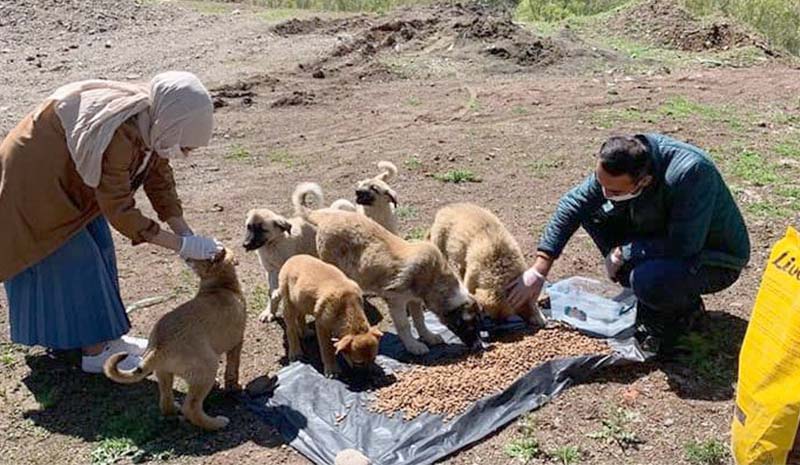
(277, 238)
(484, 254)
(403, 273)
(309, 286)
(188, 342)
(376, 199)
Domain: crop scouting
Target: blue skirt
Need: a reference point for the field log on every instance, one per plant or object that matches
(71, 298)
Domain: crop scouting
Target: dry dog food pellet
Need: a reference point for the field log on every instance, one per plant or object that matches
(448, 389)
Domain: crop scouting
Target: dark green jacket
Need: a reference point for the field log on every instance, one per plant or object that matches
(687, 212)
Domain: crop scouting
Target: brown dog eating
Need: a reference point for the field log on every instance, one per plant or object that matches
(309, 286)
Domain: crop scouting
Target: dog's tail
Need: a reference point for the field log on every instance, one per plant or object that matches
(344, 205)
(129, 376)
(300, 198)
(389, 170)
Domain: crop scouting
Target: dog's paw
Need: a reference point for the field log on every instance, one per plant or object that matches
(332, 372)
(218, 422)
(171, 409)
(266, 316)
(432, 339)
(416, 348)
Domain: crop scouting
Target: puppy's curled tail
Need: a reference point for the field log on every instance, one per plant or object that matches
(129, 376)
(389, 170)
(301, 194)
(344, 205)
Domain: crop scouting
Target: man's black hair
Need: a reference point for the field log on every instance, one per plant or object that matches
(625, 155)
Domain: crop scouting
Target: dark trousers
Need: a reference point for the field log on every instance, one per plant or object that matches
(668, 289)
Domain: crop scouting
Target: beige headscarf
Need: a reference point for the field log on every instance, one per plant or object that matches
(174, 111)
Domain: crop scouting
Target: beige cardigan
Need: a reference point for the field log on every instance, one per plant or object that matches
(44, 202)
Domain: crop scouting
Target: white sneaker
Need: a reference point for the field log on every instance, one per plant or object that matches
(131, 345)
(94, 363)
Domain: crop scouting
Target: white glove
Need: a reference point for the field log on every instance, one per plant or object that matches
(199, 248)
(613, 263)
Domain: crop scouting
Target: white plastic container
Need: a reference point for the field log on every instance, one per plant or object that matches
(601, 308)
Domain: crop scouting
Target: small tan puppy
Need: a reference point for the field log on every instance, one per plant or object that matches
(188, 342)
(277, 238)
(405, 274)
(309, 286)
(376, 199)
(484, 254)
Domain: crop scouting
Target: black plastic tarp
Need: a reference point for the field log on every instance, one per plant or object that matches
(320, 417)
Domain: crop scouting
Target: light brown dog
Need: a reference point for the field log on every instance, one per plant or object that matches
(276, 239)
(403, 273)
(484, 254)
(309, 286)
(376, 199)
(188, 342)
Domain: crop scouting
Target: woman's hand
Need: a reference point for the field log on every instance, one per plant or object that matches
(199, 248)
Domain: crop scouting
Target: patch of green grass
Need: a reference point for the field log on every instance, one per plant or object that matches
(754, 168)
(457, 176)
(681, 109)
(406, 212)
(413, 101)
(616, 428)
(47, 397)
(607, 118)
(550, 11)
(474, 104)
(566, 455)
(111, 450)
(132, 436)
(525, 449)
(237, 152)
(210, 7)
(413, 163)
(768, 210)
(281, 156)
(7, 357)
(788, 147)
(711, 452)
(416, 234)
(519, 110)
(258, 299)
(544, 167)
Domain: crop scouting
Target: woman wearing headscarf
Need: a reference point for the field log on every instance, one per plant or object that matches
(69, 169)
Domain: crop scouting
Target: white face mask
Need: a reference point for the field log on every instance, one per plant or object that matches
(624, 197)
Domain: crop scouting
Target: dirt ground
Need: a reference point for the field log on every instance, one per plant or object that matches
(436, 90)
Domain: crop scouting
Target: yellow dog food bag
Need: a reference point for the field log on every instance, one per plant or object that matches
(767, 410)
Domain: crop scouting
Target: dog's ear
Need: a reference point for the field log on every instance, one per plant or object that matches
(344, 343)
(375, 332)
(283, 224)
(392, 196)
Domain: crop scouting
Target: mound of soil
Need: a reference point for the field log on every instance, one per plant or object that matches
(471, 28)
(20, 18)
(297, 97)
(666, 23)
(317, 25)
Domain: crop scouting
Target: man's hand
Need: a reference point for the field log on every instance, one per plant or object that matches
(614, 262)
(526, 288)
